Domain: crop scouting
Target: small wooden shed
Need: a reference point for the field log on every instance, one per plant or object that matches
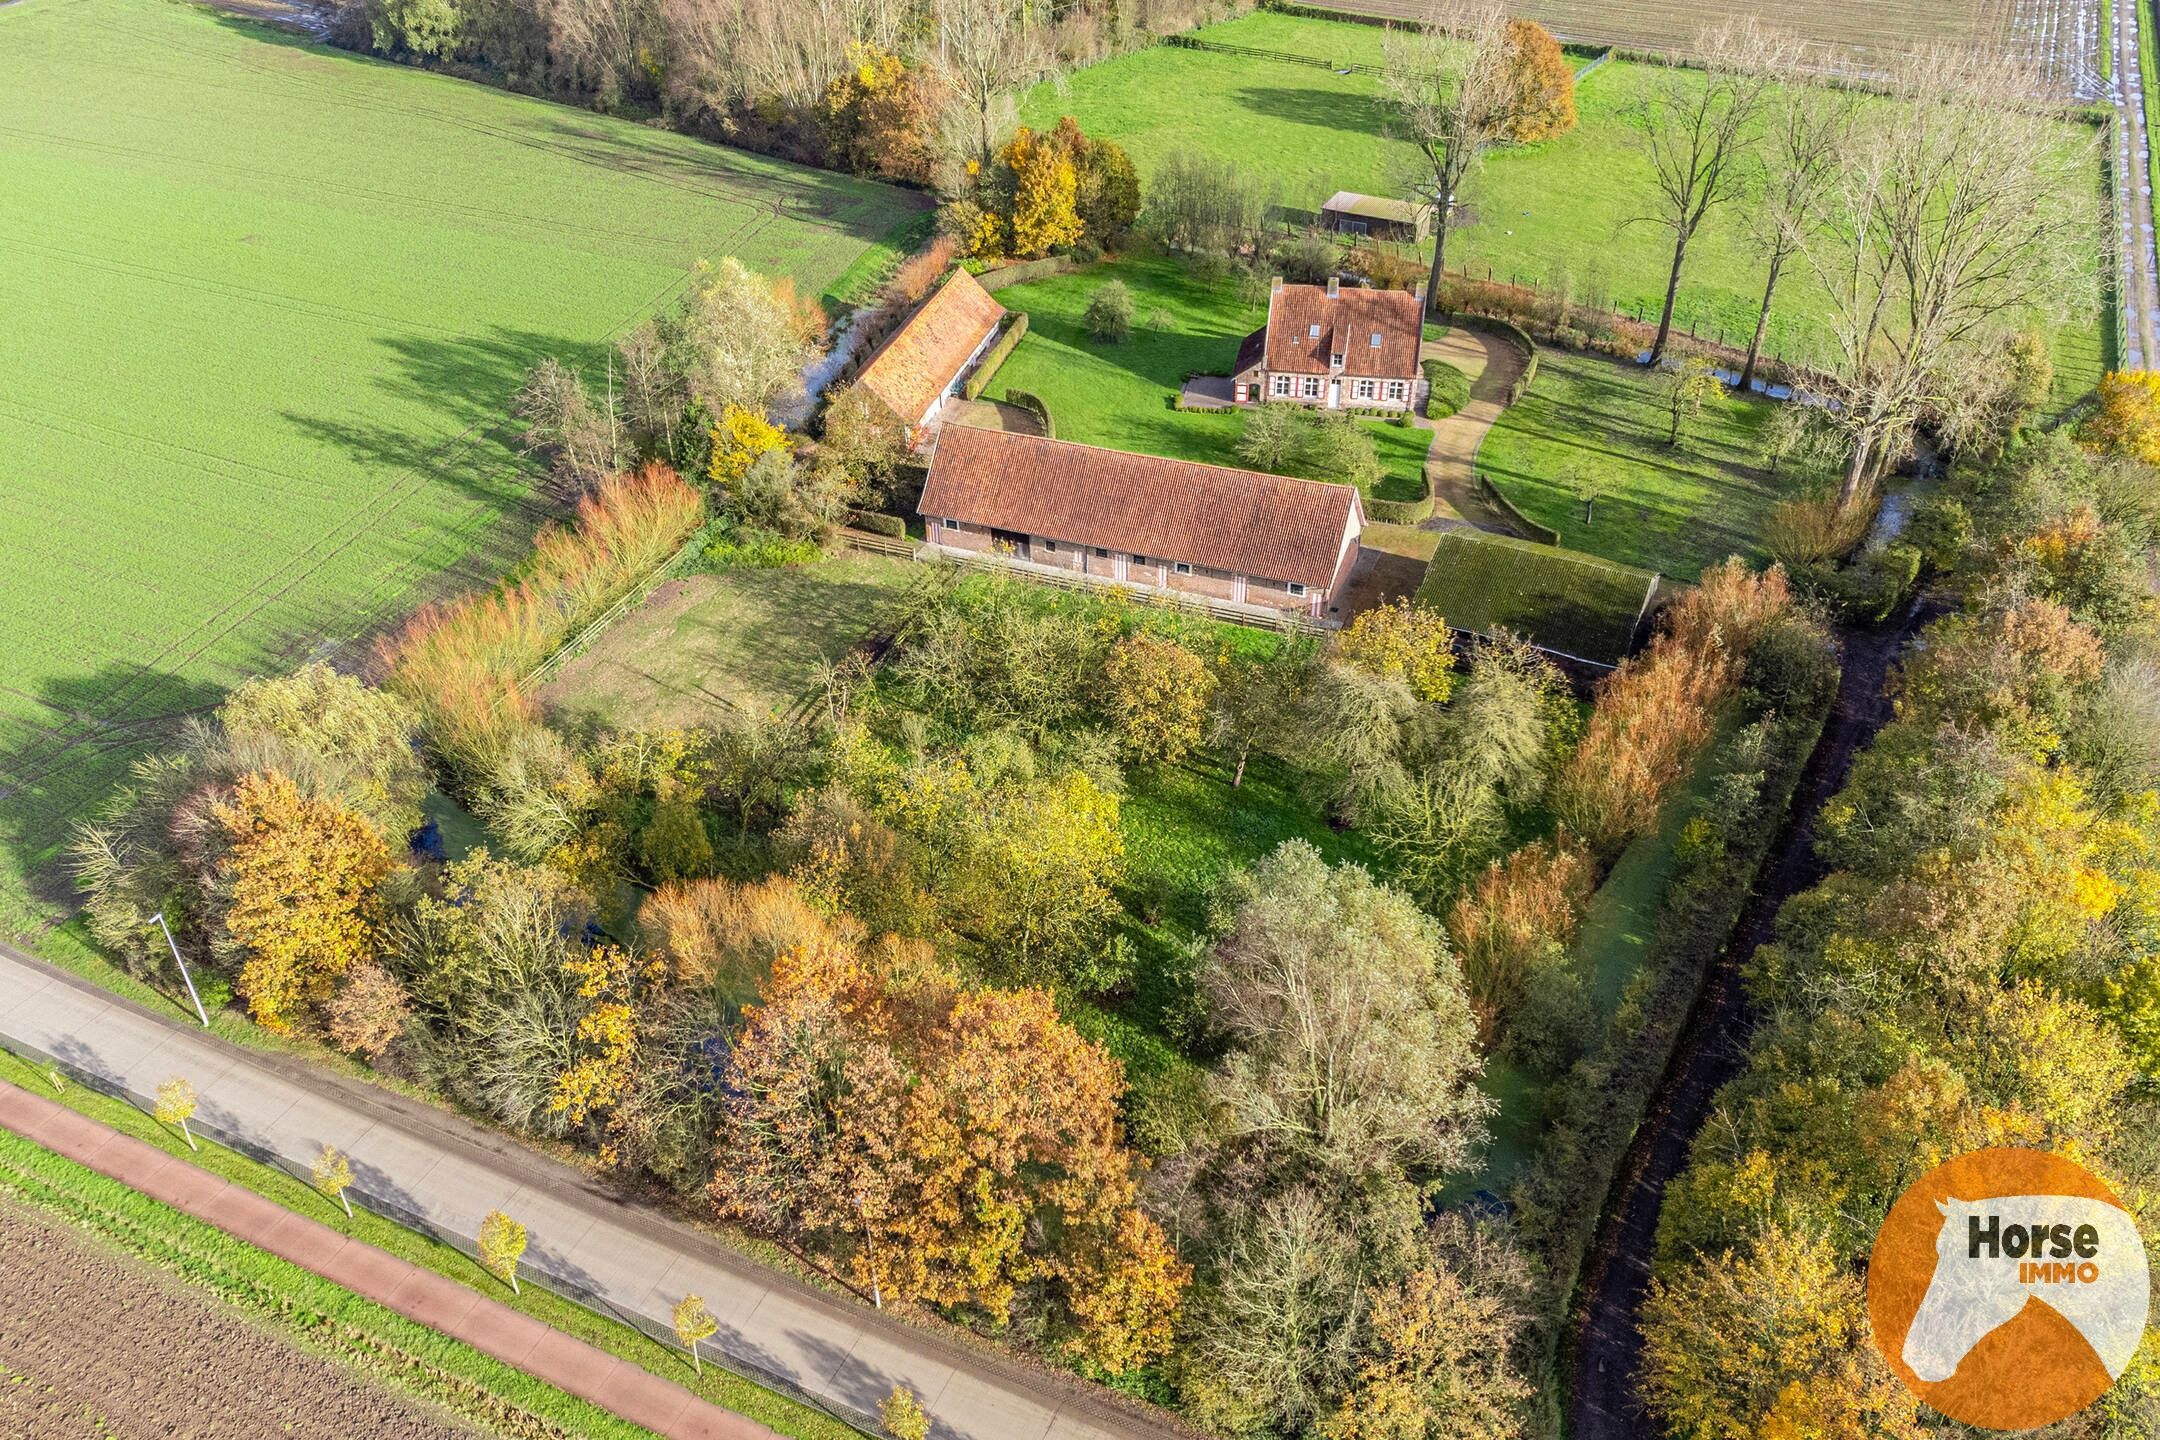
(1377, 217)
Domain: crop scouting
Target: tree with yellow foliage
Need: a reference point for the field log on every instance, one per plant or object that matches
(607, 1031)
(1725, 1338)
(303, 876)
(1158, 697)
(1045, 193)
(1402, 642)
(2126, 422)
(737, 441)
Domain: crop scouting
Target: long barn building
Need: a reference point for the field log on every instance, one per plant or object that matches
(1206, 530)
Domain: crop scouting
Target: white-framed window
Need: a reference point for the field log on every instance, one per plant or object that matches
(1397, 389)
(1312, 387)
(1181, 568)
(1364, 389)
(1312, 332)
(1282, 385)
(1296, 587)
(1047, 544)
(1375, 339)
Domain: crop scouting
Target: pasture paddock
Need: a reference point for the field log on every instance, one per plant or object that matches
(266, 302)
(1564, 211)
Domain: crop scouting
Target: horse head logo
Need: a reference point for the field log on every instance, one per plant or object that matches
(2080, 1256)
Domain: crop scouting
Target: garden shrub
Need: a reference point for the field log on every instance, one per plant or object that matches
(1109, 315)
(757, 549)
(1033, 404)
(979, 379)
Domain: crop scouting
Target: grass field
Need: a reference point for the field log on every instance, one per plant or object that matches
(161, 1227)
(1565, 601)
(743, 642)
(1560, 207)
(1673, 509)
(265, 304)
(1119, 394)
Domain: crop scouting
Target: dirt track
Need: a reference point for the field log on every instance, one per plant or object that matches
(94, 1343)
(1607, 1348)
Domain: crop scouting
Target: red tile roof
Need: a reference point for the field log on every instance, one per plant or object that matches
(1267, 527)
(1346, 324)
(917, 361)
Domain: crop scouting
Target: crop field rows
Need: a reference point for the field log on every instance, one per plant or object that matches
(2062, 36)
(266, 304)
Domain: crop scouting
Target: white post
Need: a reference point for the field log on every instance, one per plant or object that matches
(185, 978)
(877, 1296)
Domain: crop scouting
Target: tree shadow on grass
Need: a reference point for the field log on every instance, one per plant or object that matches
(91, 726)
(1365, 115)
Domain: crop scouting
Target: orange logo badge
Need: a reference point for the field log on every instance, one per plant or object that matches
(2008, 1288)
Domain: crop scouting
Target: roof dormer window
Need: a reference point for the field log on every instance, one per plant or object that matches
(1336, 359)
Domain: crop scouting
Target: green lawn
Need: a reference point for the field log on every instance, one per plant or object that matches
(1119, 394)
(1560, 206)
(741, 642)
(1673, 509)
(1569, 602)
(265, 303)
(158, 1231)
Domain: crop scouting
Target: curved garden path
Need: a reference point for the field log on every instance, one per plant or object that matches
(1451, 464)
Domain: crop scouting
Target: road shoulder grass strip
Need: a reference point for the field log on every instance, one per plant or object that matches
(717, 1385)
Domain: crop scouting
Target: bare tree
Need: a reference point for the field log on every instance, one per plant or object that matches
(1962, 210)
(1694, 126)
(1807, 128)
(984, 50)
(1454, 98)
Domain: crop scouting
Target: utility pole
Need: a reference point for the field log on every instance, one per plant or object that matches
(877, 1296)
(185, 978)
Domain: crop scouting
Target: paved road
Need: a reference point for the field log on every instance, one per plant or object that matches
(440, 1173)
(2140, 290)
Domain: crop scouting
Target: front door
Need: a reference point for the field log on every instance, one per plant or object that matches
(1334, 394)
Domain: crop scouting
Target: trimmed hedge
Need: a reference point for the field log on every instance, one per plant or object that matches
(877, 522)
(1399, 512)
(1034, 406)
(1526, 527)
(980, 379)
(1025, 271)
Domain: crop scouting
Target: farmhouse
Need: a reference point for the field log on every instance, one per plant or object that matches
(1327, 346)
(1376, 217)
(924, 361)
(1222, 534)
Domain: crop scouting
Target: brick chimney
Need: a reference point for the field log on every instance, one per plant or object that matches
(1275, 285)
(1334, 286)
(1419, 291)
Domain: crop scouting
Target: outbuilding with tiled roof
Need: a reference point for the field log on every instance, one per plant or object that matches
(926, 359)
(1233, 535)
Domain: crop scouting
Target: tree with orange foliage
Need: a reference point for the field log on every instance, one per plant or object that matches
(302, 877)
(881, 116)
(2126, 422)
(1516, 916)
(1045, 193)
(951, 1143)
(1542, 81)
(1656, 712)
